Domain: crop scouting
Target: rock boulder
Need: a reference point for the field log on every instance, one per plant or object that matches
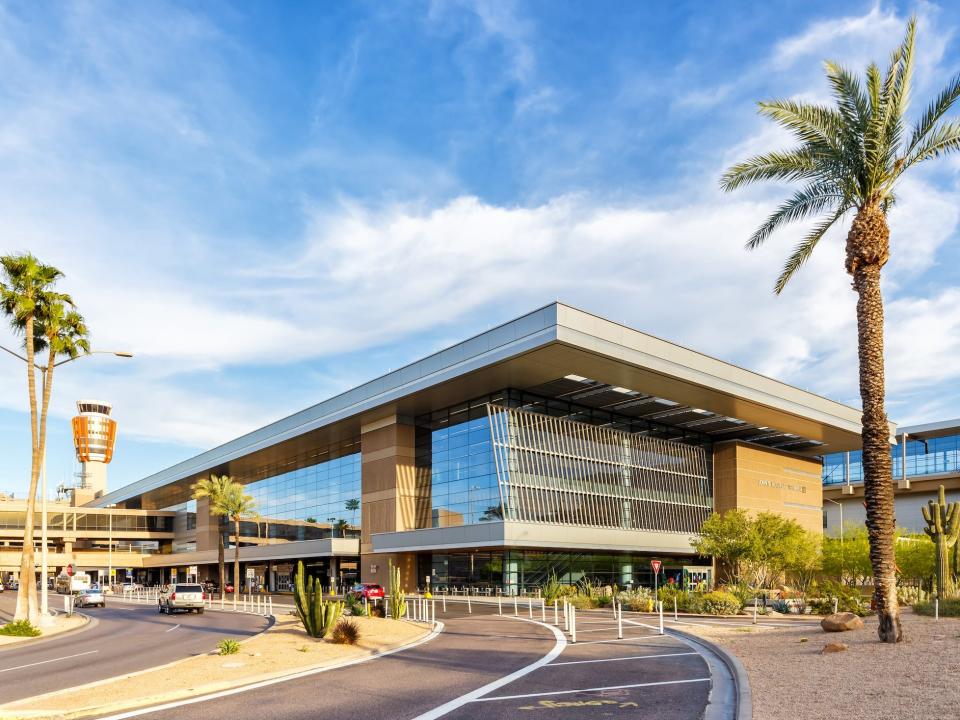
(841, 622)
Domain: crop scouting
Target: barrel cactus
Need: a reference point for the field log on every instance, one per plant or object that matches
(943, 528)
(317, 615)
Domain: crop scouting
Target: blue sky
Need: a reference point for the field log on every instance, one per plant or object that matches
(271, 202)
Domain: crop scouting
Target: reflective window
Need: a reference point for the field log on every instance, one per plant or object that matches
(924, 457)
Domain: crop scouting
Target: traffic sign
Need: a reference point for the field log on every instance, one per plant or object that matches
(656, 565)
(70, 570)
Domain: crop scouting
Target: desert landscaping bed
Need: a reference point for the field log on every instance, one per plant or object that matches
(789, 677)
(281, 650)
(60, 624)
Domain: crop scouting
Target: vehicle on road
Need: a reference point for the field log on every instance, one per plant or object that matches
(69, 584)
(182, 596)
(13, 584)
(90, 598)
(370, 591)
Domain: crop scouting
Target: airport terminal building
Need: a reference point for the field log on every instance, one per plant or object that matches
(559, 442)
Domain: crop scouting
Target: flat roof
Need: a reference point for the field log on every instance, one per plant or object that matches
(553, 343)
(940, 428)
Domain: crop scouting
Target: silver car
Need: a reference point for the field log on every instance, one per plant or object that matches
(182, 596)
(90, 598)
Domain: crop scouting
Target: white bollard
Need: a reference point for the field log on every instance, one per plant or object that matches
(530, 607)
(515, 611)
(835, 606)
(234, 600)
(573, 624)
(754, 610)
(556, 610)
(469, 609)
(433, 612)
(270, 605)
(619, 624)
(499, 605)
(936, 609)
(444, 600)
(661, 617)
(566, 615)
(675, 609)
(543, 610)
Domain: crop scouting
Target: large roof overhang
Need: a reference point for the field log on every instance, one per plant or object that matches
(560, 351)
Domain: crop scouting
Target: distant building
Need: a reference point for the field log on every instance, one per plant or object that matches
(924, 458)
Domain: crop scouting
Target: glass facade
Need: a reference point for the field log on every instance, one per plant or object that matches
(79, 520)
(525, 570)
(924, 457)
(551, 461)
(308, 503)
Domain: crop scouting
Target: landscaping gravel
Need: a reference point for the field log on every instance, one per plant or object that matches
(790, 678)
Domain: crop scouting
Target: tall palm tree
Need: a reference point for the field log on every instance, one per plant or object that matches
(25, 281)
(215, 490)
(850, 156)
(237, 504)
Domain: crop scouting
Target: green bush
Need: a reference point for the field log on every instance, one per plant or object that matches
(849, 599)
(743, 592)
(948, 608)
(718, 602)
(604, 601)
(582, 602)
(20, 628)
(668, 593)
(228, 647)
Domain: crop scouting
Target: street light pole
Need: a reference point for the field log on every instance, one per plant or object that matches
(44, 564)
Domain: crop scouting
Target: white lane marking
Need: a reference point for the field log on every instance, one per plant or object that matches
(474, 695)
(595, 689)
(173, 628)
(618, 659)
(265, 683)
(629, 639)
(44, 662)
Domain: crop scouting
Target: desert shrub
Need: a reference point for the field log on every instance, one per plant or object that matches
(849, 599)
(743, 592)
(718, 602)
(604, 601)
(228, 647)
(948, 608)
(582, 602)
(638, 600)
(668, 593)
(780, 606)
(355, 605)
(20, 628)
(346, 632)
(377, 610)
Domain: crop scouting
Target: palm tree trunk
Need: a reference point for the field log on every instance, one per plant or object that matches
(867, 251)
(27, 592)
(236, 556)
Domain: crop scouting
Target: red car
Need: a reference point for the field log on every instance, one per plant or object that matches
(370, 591)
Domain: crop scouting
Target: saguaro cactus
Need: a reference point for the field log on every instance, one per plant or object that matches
(943, 528)
(398, 598)
(317, 615)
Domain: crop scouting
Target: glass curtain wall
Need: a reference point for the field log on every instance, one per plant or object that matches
(924, 457)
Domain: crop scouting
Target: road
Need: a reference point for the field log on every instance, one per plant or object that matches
(492, 668)
(127, 638)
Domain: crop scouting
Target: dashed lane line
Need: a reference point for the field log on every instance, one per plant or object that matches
(173, 628)
(44, 662)
(593, 689)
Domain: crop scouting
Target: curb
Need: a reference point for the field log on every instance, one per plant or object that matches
(251, 683)
(90, 624)
(740, 695)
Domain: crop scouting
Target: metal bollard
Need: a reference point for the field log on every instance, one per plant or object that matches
(530, 607)
(566, 615)
(619, 625)
(515, 612)
(573, 624)
(675, 609)
(661, 617)
(499, 605)
(936, 608)
(469, 609)
(543, 610)
(556, 610)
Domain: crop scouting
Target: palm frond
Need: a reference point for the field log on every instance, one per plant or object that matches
(810, 200)
(936, 110)
(786, 165)
(803, 250)
(812, 124)
(944, 139)
(852, 102)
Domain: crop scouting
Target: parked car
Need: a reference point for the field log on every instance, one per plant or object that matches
(90, 598)
(229, 588)
(182, 596)
(370, 591)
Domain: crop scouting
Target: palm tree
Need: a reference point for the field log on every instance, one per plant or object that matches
(850, 156)
(353, 504)
(215, 490)
(237, 504)
(341, 526)
(25, 296)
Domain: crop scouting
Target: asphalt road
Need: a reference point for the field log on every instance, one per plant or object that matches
(127, 638)
(644, 675)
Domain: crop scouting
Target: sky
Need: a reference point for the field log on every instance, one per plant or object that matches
(269, 203)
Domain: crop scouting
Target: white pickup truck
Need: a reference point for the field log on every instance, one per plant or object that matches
(182, 596)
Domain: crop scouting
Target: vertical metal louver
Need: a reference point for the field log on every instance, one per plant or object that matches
(557, 471)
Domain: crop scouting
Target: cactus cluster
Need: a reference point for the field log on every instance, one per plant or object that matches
(943, 528)
(317, 615)
(398, 598)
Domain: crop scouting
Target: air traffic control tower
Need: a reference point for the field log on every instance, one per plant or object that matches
(94, 434)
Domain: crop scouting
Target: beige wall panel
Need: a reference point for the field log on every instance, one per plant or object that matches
(765, 480)
(375, 568)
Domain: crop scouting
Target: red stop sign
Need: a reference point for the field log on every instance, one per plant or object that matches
(69, 570)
